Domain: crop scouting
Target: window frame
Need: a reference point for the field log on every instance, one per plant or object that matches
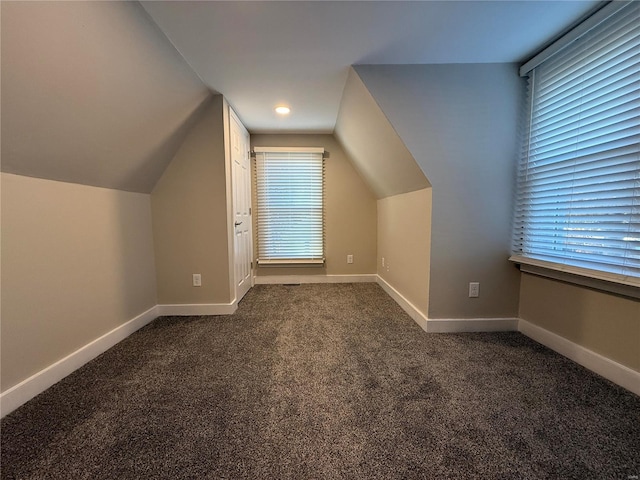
(619, 283)
(278, 154)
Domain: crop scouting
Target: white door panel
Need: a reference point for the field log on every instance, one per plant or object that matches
(241, 184)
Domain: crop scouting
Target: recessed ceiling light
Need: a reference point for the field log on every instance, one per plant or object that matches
(283, 110)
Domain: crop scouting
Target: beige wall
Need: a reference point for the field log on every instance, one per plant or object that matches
(371, 142)
(460, 124)
(77, 262)
(350, 211)
(189, 206)
(604, 323)
(404, 240)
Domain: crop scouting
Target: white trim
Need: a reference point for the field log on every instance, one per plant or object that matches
(628, 282)
(197, 309)
(227, 112)
(288, 262)
(446, 325)
(288, 149)
(419, 317)
(609, 369)
(235, 283)
(39, 382)
(287, 279)
(460, 325)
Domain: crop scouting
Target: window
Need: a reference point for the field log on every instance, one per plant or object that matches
(578, 196)
(290, 196)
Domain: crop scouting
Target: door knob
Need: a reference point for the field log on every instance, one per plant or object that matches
(238, 223)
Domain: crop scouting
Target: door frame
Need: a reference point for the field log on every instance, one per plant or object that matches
(232, 265)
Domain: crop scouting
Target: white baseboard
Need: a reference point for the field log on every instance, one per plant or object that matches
(284, 279)
(456, 325)
(39, 382)
(197, 309)
(461, 325)
(603, 366)
(407, 306)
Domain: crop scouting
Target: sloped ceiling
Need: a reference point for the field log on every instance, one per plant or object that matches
(375, 148)
(95, 93)
(92, 93)
(261, 53)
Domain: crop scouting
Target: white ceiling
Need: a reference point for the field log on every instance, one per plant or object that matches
(260, 54)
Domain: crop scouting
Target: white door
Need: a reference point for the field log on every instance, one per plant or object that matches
(241, 185)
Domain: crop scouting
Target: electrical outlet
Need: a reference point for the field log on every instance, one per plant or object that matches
(474, 289)
(383, 261)
(349, 258)
(197, 280)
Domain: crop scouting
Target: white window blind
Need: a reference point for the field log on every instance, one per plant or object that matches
(578, 197)
(290, 197)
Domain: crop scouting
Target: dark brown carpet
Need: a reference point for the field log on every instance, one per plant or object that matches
(324, 381)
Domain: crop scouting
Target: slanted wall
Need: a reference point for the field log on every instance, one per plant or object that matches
(92, 93)
(189, 208)
(374, 147)
(460, 124)
(402, 190)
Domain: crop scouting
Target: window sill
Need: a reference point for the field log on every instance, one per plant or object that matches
(292, 263)
(607, 282)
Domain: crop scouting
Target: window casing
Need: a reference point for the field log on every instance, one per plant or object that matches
(290, 201)
(578, 196)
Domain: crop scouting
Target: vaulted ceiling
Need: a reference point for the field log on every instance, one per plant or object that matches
(103, 93)
(259, 54)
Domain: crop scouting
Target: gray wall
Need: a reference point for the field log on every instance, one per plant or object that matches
(92, 93)
(460, 124)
